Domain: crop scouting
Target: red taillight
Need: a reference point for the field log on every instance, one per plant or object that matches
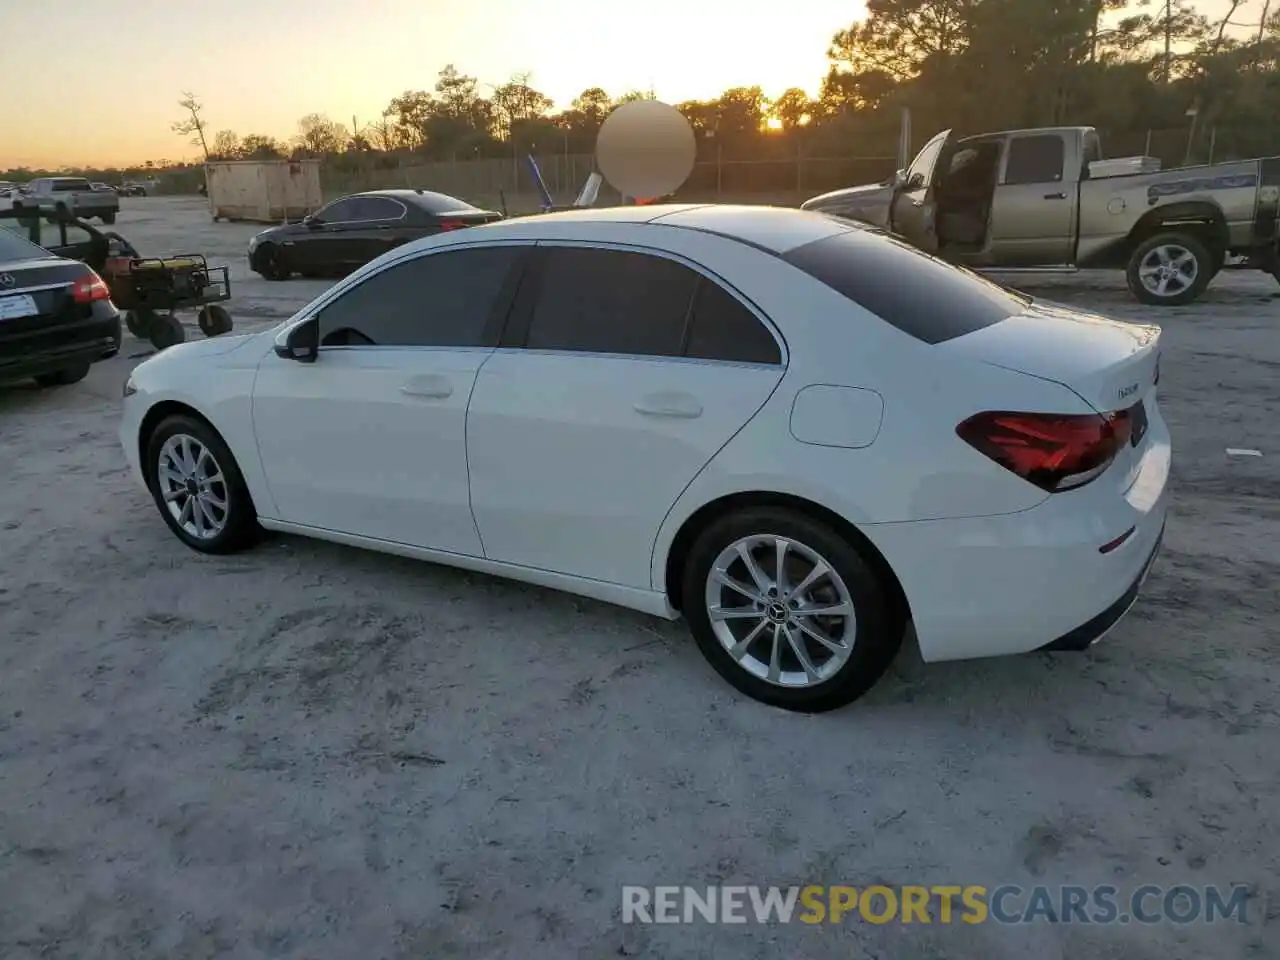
(89, 288)
(452, 224)
(1053, 451)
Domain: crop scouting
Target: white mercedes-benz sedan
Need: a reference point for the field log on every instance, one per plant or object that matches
(802, 435)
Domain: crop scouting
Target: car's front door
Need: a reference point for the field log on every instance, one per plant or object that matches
(329, 243)
(370, 439)
(621, 375)
(914, 213)
(380, 227)
(1033, 214)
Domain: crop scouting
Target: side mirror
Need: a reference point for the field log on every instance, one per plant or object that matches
(899, 179)
(312, 221)
(303, 342)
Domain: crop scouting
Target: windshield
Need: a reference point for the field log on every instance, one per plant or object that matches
(14, 247)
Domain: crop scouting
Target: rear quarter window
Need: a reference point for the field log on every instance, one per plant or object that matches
(921, 295)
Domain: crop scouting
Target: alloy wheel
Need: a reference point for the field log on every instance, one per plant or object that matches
(193, 487)
(780, 610)
(1168, 270)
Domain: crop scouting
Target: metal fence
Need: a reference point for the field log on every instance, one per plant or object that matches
(507, 183)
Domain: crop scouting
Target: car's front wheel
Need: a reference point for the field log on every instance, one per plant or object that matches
(270, 263)
(198, 487)
(788, 610)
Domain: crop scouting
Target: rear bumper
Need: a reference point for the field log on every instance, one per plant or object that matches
(1034, 580)
(85, 341)
(1087, 634)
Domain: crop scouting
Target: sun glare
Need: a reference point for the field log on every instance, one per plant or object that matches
(774, 123)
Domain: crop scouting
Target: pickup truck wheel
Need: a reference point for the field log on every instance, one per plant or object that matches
(108, 218)
(1169, 269)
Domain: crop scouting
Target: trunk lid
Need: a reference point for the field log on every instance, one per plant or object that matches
(1109, 364)
(47, 281)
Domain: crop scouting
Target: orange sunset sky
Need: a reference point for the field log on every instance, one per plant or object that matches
(259, 65)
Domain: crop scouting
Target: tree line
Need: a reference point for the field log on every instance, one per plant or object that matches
(972, 65)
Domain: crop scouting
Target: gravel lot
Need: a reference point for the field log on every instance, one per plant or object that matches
(310, 751)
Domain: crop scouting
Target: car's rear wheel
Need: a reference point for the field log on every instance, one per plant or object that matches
(108, 218)
(1170, 269)
(198, 487)
(787, 610)
(63, 378)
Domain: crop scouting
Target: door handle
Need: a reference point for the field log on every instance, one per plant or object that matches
(432, 387)
(669, 404)
(1055, 196)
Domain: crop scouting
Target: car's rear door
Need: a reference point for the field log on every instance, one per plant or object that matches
(622, 373)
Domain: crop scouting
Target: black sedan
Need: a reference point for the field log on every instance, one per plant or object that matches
(350, 232)
(56, 315)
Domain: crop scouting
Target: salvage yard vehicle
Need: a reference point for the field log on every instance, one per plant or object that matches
(1045, 198)
(149, 289)
(351, 231)
(56, 315)
(798, 432)
(73, 195)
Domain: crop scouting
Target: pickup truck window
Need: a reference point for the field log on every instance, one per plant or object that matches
(66, 186)
(920, 295)
(1035, 159)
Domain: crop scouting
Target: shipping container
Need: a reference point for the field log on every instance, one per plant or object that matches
(265, 191)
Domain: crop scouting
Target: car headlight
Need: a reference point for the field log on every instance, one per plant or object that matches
(130, 388)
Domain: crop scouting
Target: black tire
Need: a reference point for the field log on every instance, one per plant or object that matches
(240, 529)
(108, 218)
(877, 636)
(214, 320)
(63, 378)
(166, 332)
(268, 263)
(140, 321)
(1203, 263)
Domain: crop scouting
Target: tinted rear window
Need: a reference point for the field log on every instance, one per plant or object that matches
(60, 186)
(919, 294)
(439, 203)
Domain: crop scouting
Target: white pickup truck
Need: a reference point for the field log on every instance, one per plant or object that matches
(75, 195)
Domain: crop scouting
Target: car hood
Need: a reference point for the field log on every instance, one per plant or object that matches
(869, 203)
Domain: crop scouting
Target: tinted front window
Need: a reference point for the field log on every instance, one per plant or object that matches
(611, 301)
(1035, 160)
(338, 212)
(723, 329)
(440, 300)
(919, 294)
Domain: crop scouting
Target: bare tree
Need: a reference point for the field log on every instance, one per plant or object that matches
(193, 124)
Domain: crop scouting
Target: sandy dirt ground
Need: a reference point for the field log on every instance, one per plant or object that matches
(310, 751)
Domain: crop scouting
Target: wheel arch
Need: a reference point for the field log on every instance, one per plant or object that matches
(1202, 219)
(708, 513)
(155, 416)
